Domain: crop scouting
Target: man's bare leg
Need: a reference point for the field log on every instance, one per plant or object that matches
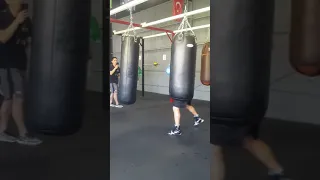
(192, 110)
(217, 164)
(177, 116)
(263, 153)
(197, 119)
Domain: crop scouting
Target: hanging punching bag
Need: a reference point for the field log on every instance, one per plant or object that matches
(129, 70)
(182, 67)
(205, 65)
(305, 37)
(57, 72)
(241, 40)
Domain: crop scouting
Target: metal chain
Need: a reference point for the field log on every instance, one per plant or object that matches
(185, 23)
(130, 25)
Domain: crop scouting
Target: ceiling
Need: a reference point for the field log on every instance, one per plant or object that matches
(141, 7)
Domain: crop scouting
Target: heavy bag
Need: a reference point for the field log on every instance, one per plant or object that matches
(305, 37)
(205, 65)
(182, 67)
(128, 70)
(241, 40)
(57, 74)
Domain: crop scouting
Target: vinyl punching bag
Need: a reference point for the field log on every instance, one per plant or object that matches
(241, 40)
(129, 70)
(57, 72)
(182, 67)
(205, 65)
(305, 37)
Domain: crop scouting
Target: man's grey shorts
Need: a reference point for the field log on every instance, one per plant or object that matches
(11, 82)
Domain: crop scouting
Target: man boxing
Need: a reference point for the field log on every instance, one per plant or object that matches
(177, 105)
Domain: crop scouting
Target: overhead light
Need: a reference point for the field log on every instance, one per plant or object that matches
(126, 6)
(191, 13)
(177, 31)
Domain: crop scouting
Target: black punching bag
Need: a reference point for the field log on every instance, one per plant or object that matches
(241, 41)
(182, 67)
(57, 72)
(128, 70)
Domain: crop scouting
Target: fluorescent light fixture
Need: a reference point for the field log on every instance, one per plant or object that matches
(191, 13)
(177, 31)
(126, 6)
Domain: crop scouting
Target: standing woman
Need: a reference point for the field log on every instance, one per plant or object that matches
(114, 79)
(15, 36)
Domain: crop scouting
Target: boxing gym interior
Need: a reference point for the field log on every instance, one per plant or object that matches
(75, 127)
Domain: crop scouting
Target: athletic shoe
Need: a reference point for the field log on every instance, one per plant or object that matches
(112, 105)
(197, 121)
(175, 131)
(278, 177)
(118, 106)
(29, 140)
(4, 137)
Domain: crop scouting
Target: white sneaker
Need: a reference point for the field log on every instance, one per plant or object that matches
(29, 140)
(112, 105)
(118, 106)
(4, 137)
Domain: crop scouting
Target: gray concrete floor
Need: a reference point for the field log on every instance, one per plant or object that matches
(140, 148)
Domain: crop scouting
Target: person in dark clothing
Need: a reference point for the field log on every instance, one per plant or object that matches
(15, 36)
(114, 78)
(176, 106)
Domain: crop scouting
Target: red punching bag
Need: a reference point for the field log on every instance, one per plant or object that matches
(305, 37)
(205, 65)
